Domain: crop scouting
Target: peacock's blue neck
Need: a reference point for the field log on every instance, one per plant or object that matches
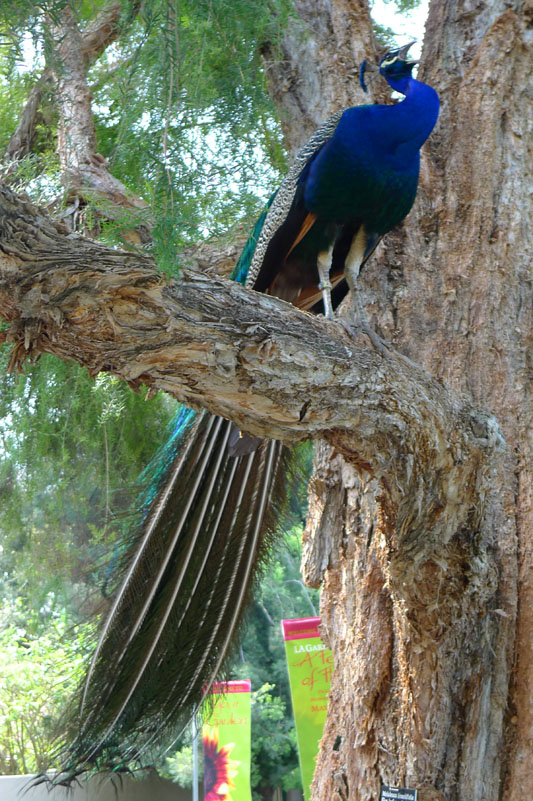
(413, 119)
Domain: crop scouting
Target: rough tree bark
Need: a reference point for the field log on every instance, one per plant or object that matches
(261, 364)
(317, 71)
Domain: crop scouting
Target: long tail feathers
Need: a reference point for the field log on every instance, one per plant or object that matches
(182, 597)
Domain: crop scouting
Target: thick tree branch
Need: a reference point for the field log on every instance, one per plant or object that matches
(254, 359)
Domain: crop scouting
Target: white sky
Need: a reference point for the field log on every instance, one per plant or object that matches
(406, 26)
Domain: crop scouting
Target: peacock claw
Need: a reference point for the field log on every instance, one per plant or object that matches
(379, 344)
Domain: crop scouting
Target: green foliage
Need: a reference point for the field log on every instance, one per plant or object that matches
(274, 754)
(70, 452)
(181, 112)
(186, 121)
(38, 675)
(38, 175)
(184, 118)
(13, 92)
(179, 767)
(71, 449)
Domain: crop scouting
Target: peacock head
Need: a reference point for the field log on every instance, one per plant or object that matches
(396, 67)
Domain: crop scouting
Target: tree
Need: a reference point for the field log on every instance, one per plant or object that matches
(38, 675)
(420, 515)
(108, 53)
(440, 697)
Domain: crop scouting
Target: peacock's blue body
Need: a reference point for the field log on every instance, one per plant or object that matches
(354, 181)
(358, 175)
(214, 494)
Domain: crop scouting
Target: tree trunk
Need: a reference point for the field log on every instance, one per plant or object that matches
(317, 73)
(98, 35)
(84, 171)
(432, 641)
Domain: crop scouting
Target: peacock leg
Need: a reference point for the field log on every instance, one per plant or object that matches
(324, 266)
(352, 266)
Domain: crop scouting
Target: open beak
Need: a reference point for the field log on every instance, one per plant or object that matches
(402, 53)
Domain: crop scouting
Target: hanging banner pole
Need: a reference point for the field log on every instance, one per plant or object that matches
(310, 666)
(194, 724)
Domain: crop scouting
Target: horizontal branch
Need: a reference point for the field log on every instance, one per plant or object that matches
(273, 370)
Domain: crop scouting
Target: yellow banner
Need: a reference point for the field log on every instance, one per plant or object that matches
(310, 666)
(226, 737)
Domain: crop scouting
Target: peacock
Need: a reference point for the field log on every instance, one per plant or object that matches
(214, 494)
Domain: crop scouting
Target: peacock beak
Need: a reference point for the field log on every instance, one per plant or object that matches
(402, 52)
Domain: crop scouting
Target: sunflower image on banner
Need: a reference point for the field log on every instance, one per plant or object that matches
(310, 666)
(226, 737)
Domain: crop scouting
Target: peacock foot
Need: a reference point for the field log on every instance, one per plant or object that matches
(362, 327)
